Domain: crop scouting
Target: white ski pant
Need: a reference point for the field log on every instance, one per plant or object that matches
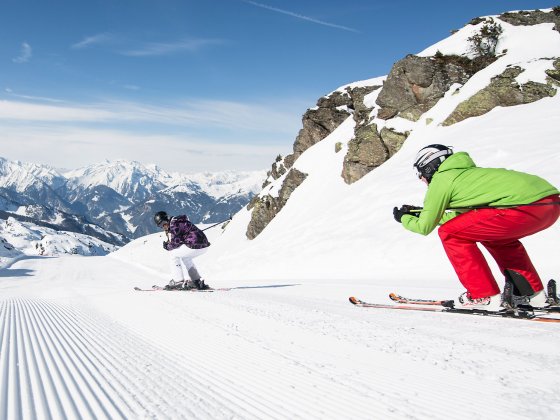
(182, 265)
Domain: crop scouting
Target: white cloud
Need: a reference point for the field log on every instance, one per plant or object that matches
(167, 48)
(191, 113)
(92, 40)
(25, 54)
(24, 111)
(32, 98)
(73, 147)
(298, 16)
(195, 135)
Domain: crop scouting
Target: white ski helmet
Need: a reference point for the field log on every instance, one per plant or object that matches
(429, 158)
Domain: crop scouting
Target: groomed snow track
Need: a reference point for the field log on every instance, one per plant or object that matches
(60, 362)
(68, 361)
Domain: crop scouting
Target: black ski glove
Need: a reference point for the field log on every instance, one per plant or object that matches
(165, 245)
(398, 213)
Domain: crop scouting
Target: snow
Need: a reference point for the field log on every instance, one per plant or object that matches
(87, 346)
(127, 219)
(77, 342)
(32, 240)
(227, 183)
(26, 175)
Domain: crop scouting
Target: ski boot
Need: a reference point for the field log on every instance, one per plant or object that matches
(553, 298)
(200, 285)
(189, 285)
(522, 295)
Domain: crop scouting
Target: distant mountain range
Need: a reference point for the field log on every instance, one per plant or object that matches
(115, 200)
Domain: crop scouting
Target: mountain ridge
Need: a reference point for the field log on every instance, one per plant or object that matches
(119, 196)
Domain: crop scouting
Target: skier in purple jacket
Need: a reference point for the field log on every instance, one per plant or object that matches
(185, 242)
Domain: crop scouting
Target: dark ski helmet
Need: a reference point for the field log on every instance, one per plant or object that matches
(160, 218)
(429, 158)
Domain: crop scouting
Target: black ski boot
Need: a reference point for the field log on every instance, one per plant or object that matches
(553, 299)
(189, 285)
(200, 285)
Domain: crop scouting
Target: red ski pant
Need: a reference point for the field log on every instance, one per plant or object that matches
(499, 231)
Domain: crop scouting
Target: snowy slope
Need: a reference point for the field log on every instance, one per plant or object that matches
(21, 239)
(77, 342)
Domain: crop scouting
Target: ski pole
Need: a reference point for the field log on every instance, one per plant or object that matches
(483, 206)
(219, 223)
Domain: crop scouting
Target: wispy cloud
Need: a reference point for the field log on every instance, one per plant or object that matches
(31, 98)
(167, 48)
(92, 40)
(24, 55)
(193, 113)
(209, 135)
(32, 112)
(298, 16)
(61, 146)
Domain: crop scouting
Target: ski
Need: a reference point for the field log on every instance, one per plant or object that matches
(553, 300)
(178, 287)
(161, 289)
(514, 314)
(545, 309)
(400, 299)
(156, 288)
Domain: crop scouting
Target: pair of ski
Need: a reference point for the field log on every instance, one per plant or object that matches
(524, 312)
(178, 287)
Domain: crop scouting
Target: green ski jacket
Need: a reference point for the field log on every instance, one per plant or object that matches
(458, 183)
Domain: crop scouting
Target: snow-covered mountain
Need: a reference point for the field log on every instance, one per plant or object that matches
(132, 180)
(24, 239)
(25, 183)
(120, 196)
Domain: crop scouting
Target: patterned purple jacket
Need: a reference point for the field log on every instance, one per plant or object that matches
(182, 231)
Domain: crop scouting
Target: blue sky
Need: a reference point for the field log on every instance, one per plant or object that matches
(195, 85)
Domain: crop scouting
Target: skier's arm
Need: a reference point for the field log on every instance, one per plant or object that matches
(174, 235)
(436, 201)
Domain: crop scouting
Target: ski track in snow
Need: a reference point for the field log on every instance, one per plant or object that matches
(61, 362)
(381, 361)
(84, 345)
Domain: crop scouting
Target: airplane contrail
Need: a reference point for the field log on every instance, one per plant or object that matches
(296, 15)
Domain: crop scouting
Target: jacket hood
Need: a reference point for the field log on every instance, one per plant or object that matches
(459, 160)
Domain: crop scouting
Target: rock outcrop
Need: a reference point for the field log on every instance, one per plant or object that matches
(267, 207)
(533, 17)
(318, 123)
(415, 84)
(365, 152)
(330, 112)
(503, 90)
(554, 74)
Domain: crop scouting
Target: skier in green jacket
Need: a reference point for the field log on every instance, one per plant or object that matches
(525, 204)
